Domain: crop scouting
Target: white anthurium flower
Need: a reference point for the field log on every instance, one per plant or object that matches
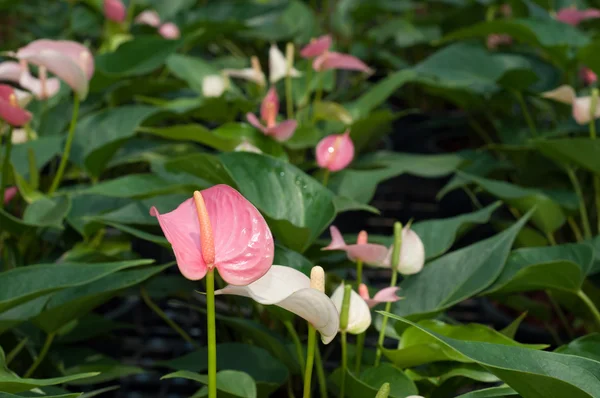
(359, 314)
(291, 290)
(278, 65)
(19, 136)
(246, 147)
(412, 253)
(582, 112)
(253, 74)
(213, 86)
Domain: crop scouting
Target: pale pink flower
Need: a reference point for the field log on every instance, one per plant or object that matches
(9, 194)
(219, 228)
(10, 109)
(386, 295)
(291, 290)
(324, 59)
(114, 10)
(587, 76)
(582, 112)
(169, 31)
(269, 109)
(335, 152)
(316, 47)
(69, 61)
(148, 17)
(574, 17)
(42, 88)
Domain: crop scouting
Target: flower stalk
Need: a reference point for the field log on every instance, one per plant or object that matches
(6, 165)
(343, 327)
(67, 151)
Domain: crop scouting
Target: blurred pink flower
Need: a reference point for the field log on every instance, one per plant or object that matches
(71, 62)
(581, 106)
(42, 88)
(169, 31)
(574, 17)
(369, 253)
(10, 109)
(316, 47)
(148, 17)
(269, 109)
(387, 295)
(335, 152)
(586, 75)
(495, 40)
(324, 59)
(114, 10)
(9, 194)
(219, 228)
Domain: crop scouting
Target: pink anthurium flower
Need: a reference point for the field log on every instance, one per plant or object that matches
(587, 76)
(69, 61)
(359, 314)
(324, 59)
(169, 31)
(269, 109)
(42, 88)
(10, 109)
(148, 17)
(9, 194)
(114, 10)
(574, 17)
(335, 152)
(582, 112)
(387, 295)
(412, 252)
(290, 289)
(316, 47)
(219, 228)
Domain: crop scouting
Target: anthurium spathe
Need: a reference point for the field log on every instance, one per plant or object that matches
(71, 62)
(574, 17)
(290, 289)
(148, 17)
(582, 112)
(169, 31)
(219, 228)
(43, 88)
(324, 59)
(214, 86)
(253, 74)
(10, 108)
(269, 109)
(335, 152)
(359, 315)
(386, 295)
(114, 10)
(278, 65)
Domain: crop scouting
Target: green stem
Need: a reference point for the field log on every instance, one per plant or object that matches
(152, 305)
(344, 364)
(575, 229)
(5, 166)
(359, 272)
(582, 210)
(212, 333)
(41, 356)
(590, 304)
(561, 315)
(388, 306)
(310, 359)
(550, 238)
(15, 351)
(360, 343)
(593, 135)
(318, 96)
(320, 372)
(526, 114)
(288, 97)
(67, 151)
(290, 328)
(326, 177)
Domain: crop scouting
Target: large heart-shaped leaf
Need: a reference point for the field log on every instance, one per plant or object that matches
(230, 383)
(583, 152)
(268, 372)
(456, 276)
(532, 373)
(137, 57)
(48, 212)
(562, 267)
(98, 136)
(205, 166)
(297, 207)
(26, 283)
(136, 186)
(418, 348)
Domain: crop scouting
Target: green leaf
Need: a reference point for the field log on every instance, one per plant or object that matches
(418, 348)
(139, 56)
(72, 303)
(99, 135)
(456, 276)
(290, 258)
(48, 212)
(7, 395)
(90, 326)
(548, 215)
(135, 186)
(510, 331)
(44, 149)
(191, 70)
(202, 165)
(586, 346)
(499, 392)
(308, 206)
(27, 191)
(304, 137)
(562, 267)
(327, 110)
(26, 283)
(361, 184)
(268, 372)
(138, 212)
(583, 152)
(533, 374)
(371, 380)
(230, 383)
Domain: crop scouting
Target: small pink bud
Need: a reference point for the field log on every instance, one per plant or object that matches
(115, 11)
(9, 194)
(588, 76)
(363, 291)
(335, 152)
(169, 31)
